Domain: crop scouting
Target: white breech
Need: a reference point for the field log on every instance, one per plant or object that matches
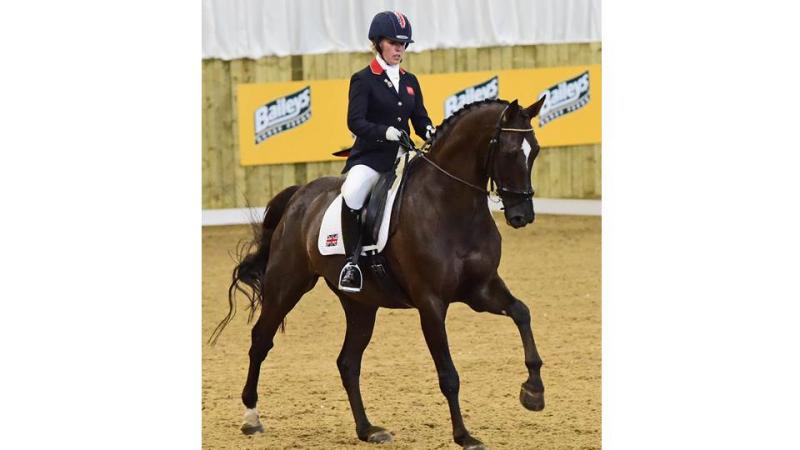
(360, 180)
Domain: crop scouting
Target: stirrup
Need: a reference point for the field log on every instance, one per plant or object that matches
(360, 278)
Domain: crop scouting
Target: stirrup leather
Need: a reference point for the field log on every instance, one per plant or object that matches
(351, 266)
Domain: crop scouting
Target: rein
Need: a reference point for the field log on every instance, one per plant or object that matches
(477, 188)
(406, 142)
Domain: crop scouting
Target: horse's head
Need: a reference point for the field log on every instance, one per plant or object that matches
(512, 151)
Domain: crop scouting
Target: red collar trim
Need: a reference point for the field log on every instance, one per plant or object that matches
(376, 68)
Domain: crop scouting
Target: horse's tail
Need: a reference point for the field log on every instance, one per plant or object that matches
(251, 266)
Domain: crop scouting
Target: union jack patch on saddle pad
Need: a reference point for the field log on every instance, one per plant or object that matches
(332, 240)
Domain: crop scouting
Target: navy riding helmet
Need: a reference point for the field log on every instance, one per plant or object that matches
(392, 25)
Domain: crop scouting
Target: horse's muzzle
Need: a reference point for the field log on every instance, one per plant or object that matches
(520, 214)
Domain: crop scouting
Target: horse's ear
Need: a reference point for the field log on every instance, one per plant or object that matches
(513, 109)
(533, 110)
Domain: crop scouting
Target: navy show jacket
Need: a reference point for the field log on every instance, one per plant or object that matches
(373, 107)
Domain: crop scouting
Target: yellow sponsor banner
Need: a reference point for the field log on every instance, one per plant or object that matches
(302, 121)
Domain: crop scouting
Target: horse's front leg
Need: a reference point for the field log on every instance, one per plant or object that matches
(494, 297)
(433, 328)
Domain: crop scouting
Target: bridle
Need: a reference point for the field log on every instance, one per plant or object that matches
(488, 169)
(493, 143)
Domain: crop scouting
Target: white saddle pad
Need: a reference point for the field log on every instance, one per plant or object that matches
(330, 237)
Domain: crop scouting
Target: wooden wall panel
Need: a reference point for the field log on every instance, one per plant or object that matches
(213, 149)
(210, 152)
(559, 172)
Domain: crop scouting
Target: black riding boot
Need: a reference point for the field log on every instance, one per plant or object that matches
(350, 277)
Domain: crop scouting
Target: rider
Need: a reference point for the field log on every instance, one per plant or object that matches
(383, 97)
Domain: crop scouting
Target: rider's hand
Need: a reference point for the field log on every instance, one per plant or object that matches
(430, 131)
(392, 134)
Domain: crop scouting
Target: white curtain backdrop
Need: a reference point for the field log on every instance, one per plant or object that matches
(254, 28)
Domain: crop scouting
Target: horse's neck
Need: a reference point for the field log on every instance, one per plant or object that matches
(463, 152)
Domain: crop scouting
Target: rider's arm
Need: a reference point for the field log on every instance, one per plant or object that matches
(357, 113)
(419, 116)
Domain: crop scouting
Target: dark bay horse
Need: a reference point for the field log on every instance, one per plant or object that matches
(445, 248)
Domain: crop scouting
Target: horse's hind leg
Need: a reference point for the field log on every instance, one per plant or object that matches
(282, 292)
(494, 297)
(360, 323)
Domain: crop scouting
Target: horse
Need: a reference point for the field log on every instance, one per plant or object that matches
(444, 248)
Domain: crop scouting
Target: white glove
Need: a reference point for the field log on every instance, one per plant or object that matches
(430, 132)
(392, 134)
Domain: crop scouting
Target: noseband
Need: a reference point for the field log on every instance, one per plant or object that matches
(489, 166)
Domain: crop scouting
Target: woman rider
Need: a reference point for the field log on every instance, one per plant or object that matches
(383, 97)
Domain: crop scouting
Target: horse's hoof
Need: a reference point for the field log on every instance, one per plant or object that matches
(533, 401)
(380, 437)
(475, 447)
(251, 423)
(377, 435)
(249, 429)
(473, 444)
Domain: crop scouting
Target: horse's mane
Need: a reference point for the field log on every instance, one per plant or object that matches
(447, 124)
